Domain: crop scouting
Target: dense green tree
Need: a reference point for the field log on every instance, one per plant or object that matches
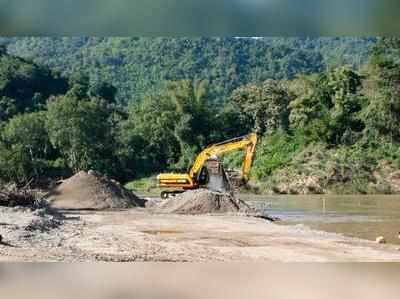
(151, 124)
(175, 123)
(81, 131)
(306, 104)
(344, 85)
(266, 105)
(25, 149)
(327, 107)
(25, 86)
(382, 114)
(194, 117)
(103, 90)
(230, 122)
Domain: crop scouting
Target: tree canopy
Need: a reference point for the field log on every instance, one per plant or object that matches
(135, 65)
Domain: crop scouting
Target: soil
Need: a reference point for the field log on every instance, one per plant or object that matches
(202, 201)
(24, 225)
(138, 235)
(91, 191)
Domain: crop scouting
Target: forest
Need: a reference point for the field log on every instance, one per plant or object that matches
(327, 109)
(137, 65)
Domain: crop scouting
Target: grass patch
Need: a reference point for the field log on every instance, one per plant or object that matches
(145, 184)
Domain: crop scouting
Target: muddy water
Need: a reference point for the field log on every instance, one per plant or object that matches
(364, 217)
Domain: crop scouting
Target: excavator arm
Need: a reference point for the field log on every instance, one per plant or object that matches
(249, 142)
(248, 158)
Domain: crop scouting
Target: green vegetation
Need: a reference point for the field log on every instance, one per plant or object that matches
(137, 65)
(275, 152)
(327, 110)
(144, 185)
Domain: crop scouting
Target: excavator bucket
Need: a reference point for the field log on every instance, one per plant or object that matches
(217, 179)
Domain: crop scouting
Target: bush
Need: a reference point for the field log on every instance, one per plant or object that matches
(276, 151)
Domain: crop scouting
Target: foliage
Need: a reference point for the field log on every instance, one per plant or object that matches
(265, 105)
(25, 148)
(194, 118)
(25, 86)
(174, 124)
(143, 184)
(136, 65)
(327, 108)
(382, 114)
(80, 130)
(276, 151)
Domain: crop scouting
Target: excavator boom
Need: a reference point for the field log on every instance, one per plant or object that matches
(248, 141)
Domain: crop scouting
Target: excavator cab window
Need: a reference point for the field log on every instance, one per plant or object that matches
(203, 176)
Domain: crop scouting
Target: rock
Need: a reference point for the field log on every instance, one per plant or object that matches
(299, 184)
(380, 240)
(91, 172)
(253, 187)
(386, 178)
(394, 181)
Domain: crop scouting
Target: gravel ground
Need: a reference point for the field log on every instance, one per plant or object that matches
(139, 235)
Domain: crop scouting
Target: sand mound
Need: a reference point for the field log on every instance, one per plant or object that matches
(202, 202)
(93, 192)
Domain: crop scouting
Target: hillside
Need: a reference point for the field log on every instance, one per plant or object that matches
(136, 65)
(333, 130)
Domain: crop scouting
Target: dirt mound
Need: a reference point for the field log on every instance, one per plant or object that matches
(202, 202)
(91, 191)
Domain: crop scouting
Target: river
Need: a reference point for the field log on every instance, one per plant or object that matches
(360, 216)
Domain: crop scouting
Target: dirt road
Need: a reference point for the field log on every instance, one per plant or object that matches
(138, 235)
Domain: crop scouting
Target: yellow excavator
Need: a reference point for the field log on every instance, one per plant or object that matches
(206, 169)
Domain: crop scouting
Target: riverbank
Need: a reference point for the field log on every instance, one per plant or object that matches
(315, 169)
(318, 169)
(139, 235)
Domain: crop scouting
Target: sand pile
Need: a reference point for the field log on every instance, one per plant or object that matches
(202, 202)
(91, 191)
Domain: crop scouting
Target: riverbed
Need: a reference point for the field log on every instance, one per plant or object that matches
(361, 216)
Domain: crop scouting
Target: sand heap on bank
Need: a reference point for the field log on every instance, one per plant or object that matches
(93, 192)
(202, 202)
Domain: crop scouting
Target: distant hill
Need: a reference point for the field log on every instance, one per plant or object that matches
(138, 65)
